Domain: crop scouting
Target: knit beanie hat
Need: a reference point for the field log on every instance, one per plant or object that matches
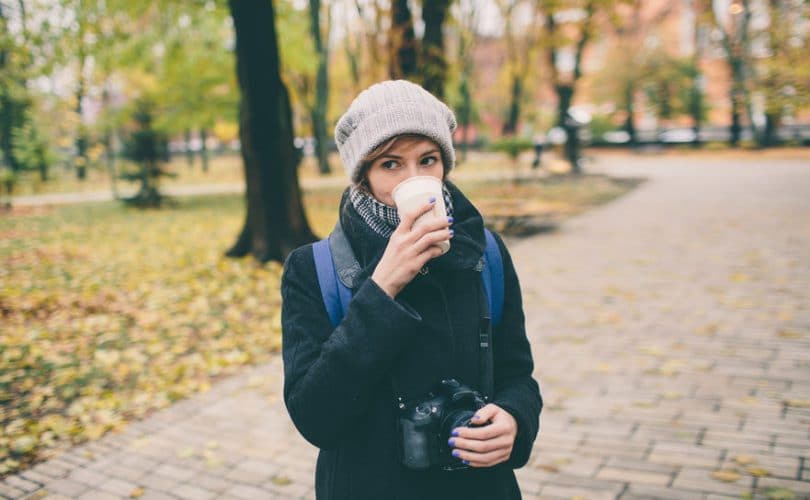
(388, 109)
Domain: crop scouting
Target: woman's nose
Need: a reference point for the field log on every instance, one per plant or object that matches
(411, 170)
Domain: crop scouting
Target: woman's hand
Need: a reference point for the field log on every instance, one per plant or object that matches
(409, 249)
(486, 445)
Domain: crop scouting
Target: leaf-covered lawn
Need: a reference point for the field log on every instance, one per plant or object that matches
(108, 313)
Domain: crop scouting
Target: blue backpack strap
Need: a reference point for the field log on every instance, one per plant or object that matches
(336, 295)
(492, 276)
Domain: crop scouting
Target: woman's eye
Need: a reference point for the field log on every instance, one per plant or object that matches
(428, 161)
(389, 164)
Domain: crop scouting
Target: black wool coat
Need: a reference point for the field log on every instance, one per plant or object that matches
(341, 383)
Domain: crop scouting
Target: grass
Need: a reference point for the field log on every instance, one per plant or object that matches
(223, 169)
(227, 168)
(109, 313)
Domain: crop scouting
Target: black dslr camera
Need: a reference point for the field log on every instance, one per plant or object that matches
(425, 426)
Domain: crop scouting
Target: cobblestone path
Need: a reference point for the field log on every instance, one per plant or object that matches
(671, 331)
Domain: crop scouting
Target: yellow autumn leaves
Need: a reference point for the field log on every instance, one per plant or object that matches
(109, 314)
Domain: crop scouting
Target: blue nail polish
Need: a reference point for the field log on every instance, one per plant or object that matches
(432, 199)
(456, 453)
(451, 442)
(476, 417)
(450, 220)
(455, 432)
(465, 462)
(452, 232)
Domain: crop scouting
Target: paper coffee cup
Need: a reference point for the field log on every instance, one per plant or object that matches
(415, 192)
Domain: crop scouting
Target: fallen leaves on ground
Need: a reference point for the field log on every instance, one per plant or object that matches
(779, 494)
(110, 313)
(758, 471)
(281, 480)
(789, 334)
(728, 476)
(745, 460)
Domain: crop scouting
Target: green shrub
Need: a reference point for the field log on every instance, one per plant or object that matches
(512, 146)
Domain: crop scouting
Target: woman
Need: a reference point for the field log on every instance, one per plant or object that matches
(413, 320)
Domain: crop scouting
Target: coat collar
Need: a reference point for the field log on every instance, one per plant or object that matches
(466, 246)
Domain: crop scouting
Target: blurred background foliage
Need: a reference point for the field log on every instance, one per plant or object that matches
(72, 71)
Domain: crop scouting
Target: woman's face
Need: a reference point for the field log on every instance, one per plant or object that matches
(408, 157)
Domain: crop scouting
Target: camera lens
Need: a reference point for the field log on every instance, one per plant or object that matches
(454, 419)
(423, 409)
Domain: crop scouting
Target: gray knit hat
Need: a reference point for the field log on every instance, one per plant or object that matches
(388, 109)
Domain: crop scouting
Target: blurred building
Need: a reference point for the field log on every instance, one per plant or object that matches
(657, 27)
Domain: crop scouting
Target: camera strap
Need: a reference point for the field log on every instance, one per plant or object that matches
(337, 270)
(485, 368)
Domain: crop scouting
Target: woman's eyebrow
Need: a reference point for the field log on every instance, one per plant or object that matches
(397, 157)
(389, 155)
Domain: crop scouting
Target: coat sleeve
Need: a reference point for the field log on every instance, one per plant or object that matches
(516, 391)
(331, 375)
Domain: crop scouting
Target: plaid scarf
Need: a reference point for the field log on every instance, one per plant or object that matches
(379, 216)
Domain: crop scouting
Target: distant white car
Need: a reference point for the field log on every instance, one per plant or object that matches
(557, 135)
(616, 137)
(677, 136)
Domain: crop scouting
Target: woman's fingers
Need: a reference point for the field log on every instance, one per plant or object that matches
(490, 431)
(432, 238)
(486, 445)
(407, 219)
(500, 422)
(501, 442)
(486, 414)
(410, 248)
(488, 459)
(483, 452)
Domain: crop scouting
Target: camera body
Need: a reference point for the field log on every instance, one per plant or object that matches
(425, 426)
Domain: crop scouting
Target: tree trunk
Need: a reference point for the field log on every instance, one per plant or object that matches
(769, 138)
(434, 63)
(511, 123)
(6, 122)
(375, 65)
(758, 138)
(565, 95)
(189, 152)
(275, 223)
(735, 131)
(12, 107)
(465, 115)
(696, 109)
(353, 53)
(402, 42)
(321, 86)
(565, 90)
(107, 140)
(81, 134)
(109, 155)
(745, 70)
(321, 137)
(630, 109)
(204, 148)
(696, 97)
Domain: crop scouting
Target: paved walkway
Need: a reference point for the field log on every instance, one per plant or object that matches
(671, 332)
